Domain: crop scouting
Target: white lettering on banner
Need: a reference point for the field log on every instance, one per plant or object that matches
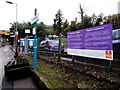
(95, 29)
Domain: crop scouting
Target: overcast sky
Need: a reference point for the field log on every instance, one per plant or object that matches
(48, 8)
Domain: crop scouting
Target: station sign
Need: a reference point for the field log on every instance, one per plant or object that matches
(35, 19)
(27, 31)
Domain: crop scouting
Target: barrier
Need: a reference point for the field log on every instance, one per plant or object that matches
(17, 71)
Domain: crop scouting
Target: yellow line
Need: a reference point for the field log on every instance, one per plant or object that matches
(17, 68)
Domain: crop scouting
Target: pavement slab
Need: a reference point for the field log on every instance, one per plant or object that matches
(6, 84)
(24, 83)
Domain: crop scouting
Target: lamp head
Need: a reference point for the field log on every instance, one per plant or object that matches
(9, 2)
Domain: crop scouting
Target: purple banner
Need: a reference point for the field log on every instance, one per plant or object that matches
(75, 39)
(94, 38)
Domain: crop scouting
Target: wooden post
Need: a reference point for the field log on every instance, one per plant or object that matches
(73, 59)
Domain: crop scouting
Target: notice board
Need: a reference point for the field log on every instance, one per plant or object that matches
(95, 42)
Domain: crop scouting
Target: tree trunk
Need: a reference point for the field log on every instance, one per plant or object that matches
(59, 52)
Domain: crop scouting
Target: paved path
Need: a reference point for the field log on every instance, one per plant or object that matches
(6, 55)
(25, 83)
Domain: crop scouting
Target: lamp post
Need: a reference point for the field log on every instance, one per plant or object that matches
(16, 32)
(16, 12)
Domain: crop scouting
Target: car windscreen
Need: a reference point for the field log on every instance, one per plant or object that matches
(116, 34)
(54, 42)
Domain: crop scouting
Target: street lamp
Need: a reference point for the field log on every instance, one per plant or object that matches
(16, 11)
(16, 33)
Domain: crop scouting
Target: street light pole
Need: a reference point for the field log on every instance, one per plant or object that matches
(16, 33)
(16, 17)
(16, 13)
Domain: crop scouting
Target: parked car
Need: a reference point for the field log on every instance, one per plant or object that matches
(50, 45)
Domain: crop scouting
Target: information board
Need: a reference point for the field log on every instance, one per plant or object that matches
(93, 42)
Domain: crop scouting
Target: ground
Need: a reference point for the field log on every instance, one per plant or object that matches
(57, 76)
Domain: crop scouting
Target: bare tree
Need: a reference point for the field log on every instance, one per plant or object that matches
(81, 12)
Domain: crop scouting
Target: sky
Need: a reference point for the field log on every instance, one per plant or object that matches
(48, 8)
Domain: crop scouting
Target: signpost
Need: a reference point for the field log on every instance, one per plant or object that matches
(33, 21)
(95, 42)
(27, 31)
